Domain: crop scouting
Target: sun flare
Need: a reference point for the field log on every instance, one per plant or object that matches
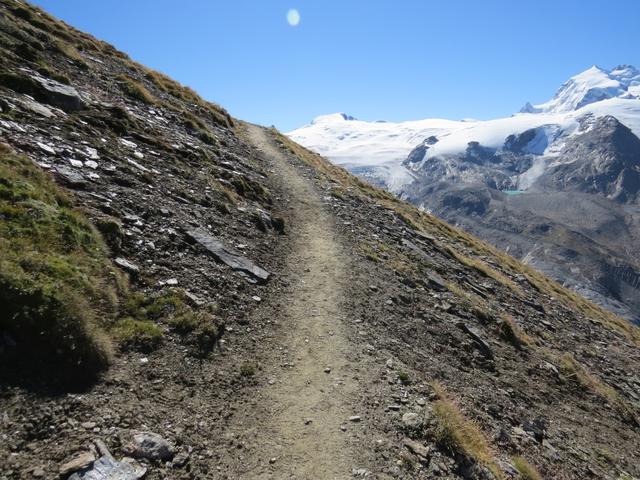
(293, 17)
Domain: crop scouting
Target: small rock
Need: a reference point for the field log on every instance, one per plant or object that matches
(411, 420)
(83, 460)
(127, 265)
(71, 177)
(128, 143)
(149, 445)
(361, 473)
(88, 425)
(389, 364)
(355, 418)
(38, 472)
(180, 460)
(327, 370)
(307, 421)
(272, 460)
(92, 153)
(417, 448)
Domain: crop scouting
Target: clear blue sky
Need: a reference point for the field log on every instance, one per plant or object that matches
(392, 60)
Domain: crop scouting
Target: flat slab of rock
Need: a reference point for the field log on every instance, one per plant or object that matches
(481, 343)
(126, 265)
(227, 255)
(107, 468)
(436, 282)
(71, 177)
(58, 94)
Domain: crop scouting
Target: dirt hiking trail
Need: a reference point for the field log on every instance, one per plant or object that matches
(311, 401)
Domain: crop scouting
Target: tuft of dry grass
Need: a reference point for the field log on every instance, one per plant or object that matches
(461, 435)
(526, 470)
(511, 332)
(571, 368)
(135, 89)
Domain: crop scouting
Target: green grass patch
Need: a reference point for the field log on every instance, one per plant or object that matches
(57, 287)
(198, 327)
(248, 369)
(142, 335)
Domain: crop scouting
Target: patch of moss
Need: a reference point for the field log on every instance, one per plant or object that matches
(141, 335)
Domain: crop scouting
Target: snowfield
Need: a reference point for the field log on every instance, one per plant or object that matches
(383, 146)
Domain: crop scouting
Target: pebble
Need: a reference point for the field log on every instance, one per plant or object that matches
(327, 370)
(46, 148)
(411, 420)
(38, 472)
(272, 460)
(355, 418)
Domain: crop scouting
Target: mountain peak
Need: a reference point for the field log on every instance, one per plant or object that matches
(332, 118)
(592, 85)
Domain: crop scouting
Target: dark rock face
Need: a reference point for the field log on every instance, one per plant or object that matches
(418, 153)
(575, 218)
(604, 160)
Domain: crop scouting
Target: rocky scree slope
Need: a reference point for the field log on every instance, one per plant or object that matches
(128, 193)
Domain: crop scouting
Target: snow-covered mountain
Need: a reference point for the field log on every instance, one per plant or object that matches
(377, 150)
(556, 184)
